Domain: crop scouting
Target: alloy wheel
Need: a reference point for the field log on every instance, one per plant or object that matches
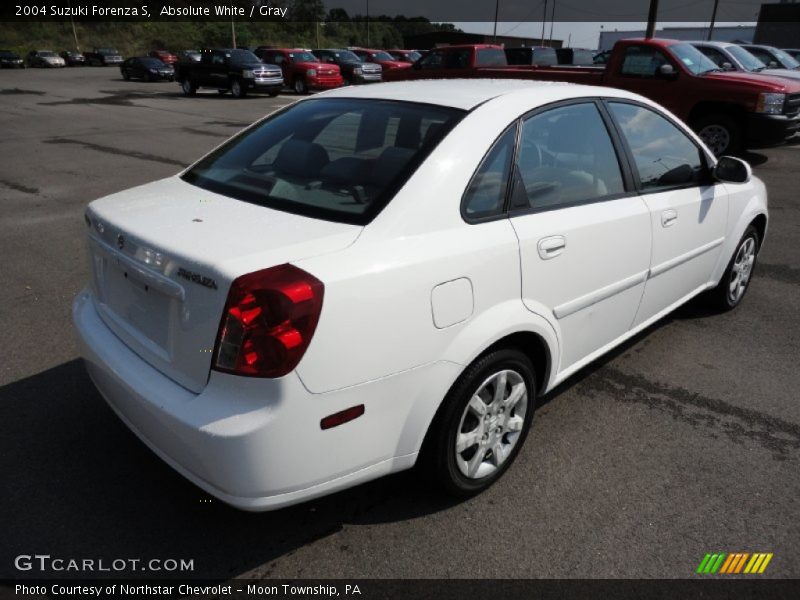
(741, 270)
(491, 424)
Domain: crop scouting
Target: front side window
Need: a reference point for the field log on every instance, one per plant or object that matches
(336, 159)
(642, 61)
(664, 155)
(433, 60)
(565, 157)
(458, 59)
(486, 193)
(714, 55)
(763, 56)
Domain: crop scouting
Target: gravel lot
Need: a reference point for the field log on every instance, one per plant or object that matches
(686, 440)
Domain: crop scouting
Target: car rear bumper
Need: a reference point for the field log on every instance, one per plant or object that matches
(257, 443)
(768, 130)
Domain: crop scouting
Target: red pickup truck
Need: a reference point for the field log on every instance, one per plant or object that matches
(729, 110)
(302, 71)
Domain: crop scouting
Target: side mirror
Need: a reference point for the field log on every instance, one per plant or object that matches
(727, 66)
(677, 176)
(732, 170)
(667, 71)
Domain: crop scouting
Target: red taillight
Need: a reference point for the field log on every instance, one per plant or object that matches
(268, 322)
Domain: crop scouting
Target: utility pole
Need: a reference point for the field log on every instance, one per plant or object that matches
(544, 21)
(552, 20)
(233, 32)
(651, 19)
(496, 12)
(367, 23)
(317, 25)
(74, 31)
(713, 20)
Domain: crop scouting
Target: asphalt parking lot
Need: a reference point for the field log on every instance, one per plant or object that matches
(685, 440)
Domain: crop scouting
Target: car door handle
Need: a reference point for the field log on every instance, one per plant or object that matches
(668, 217)
(552, 246)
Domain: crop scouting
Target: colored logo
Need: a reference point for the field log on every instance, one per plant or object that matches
(734, 563)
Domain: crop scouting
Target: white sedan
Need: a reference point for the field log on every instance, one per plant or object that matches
(388, 275)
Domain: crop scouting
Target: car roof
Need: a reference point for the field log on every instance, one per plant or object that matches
(715, 44)
(465, 94)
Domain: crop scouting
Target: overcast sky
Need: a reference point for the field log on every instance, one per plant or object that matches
(583, 35)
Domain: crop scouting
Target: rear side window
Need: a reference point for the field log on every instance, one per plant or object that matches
(486, 192)
(545, 57)
(664, 155)
(336, 159)
(490, 57)
(565, 157)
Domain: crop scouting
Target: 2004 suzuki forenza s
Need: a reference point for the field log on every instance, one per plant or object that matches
(378, 276)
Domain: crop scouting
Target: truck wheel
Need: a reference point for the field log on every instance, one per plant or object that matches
(300, 86)
(126, 76)
(720, 133)
(188, 87)
(237, 89)
(482, 423)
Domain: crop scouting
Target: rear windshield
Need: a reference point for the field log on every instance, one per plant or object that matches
(152, 62)
(47, 53)
(336, 159)
(382, 56)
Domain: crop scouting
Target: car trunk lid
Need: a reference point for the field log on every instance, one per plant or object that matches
(163, 256)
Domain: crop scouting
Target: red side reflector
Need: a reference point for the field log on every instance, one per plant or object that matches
(341, 417)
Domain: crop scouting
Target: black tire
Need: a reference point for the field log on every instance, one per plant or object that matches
(439, 455)
(300, 86)
(126, 76)
(721, 133)
(273, 94)
(346, 81)
(238, 89)
(188, 86)
(148, 77)
(722, 297)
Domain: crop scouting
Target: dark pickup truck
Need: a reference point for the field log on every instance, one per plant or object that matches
(728, 110)
(103, 57)
(236, 70)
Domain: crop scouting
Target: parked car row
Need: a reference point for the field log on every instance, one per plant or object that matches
(728, 110)
(269, 69)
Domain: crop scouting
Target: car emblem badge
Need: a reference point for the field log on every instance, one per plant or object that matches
(120, 241)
